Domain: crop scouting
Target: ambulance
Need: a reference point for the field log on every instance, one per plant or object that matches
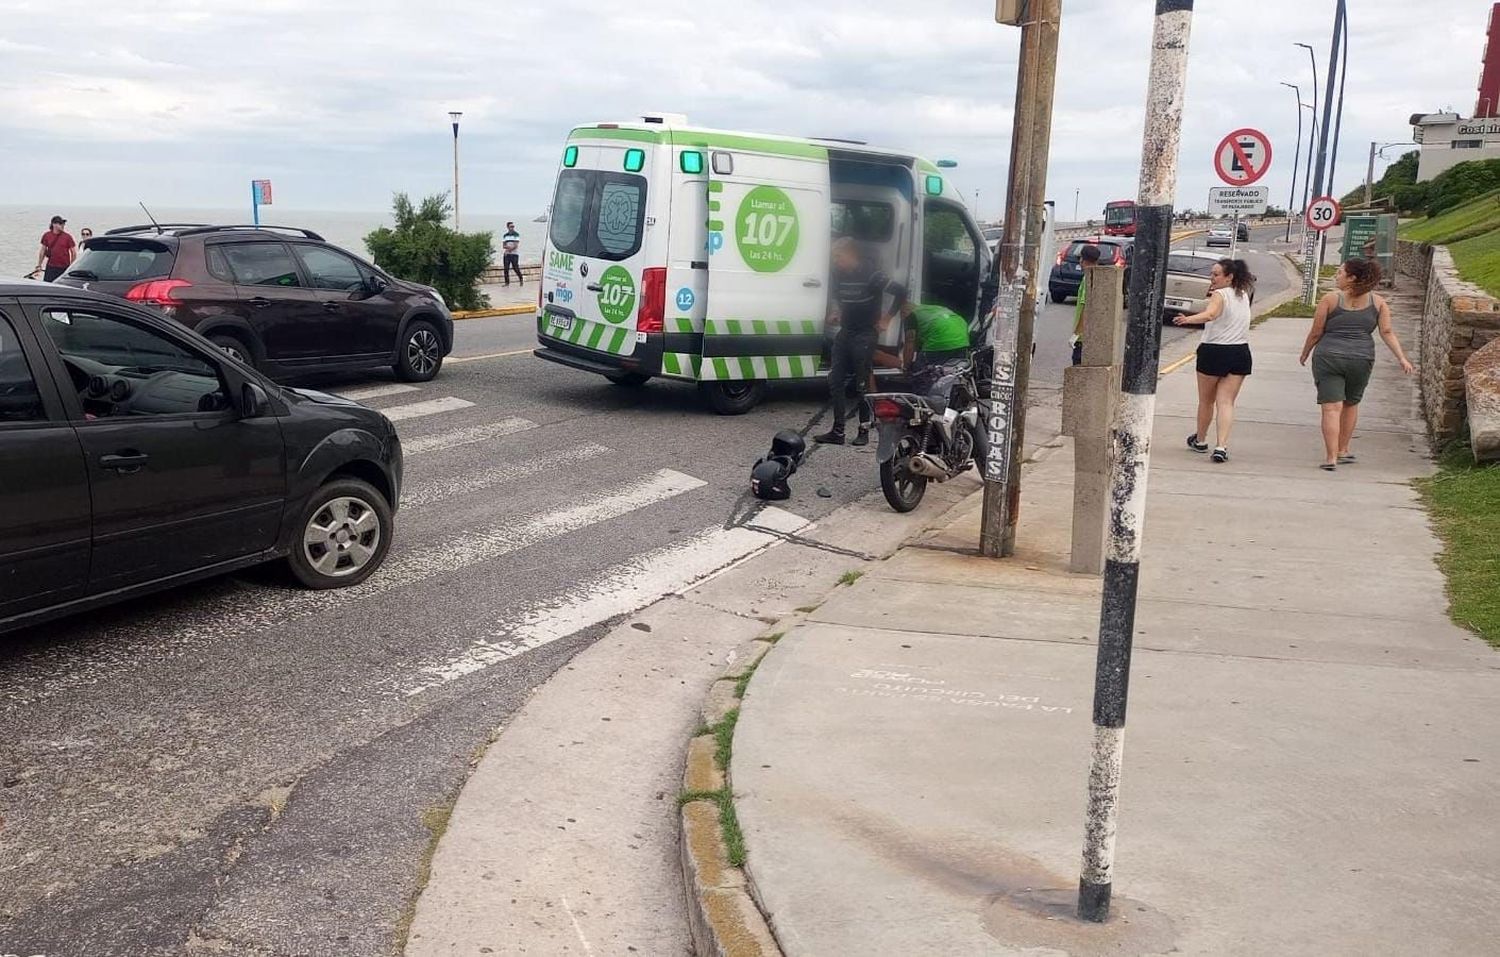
(702, 255)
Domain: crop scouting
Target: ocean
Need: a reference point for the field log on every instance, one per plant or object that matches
(21, 227)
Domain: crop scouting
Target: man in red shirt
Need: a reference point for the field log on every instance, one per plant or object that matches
(58, 251)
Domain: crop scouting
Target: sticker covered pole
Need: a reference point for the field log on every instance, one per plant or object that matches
(1130, 441)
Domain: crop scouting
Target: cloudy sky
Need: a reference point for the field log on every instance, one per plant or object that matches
(340, 102)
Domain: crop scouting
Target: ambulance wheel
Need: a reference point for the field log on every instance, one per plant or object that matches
(733, 398)
(630, 380)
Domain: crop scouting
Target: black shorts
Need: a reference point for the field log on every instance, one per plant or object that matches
(1222, 360)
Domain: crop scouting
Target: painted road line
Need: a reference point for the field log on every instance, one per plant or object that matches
(416, 410)
(374, 392)
(1177, 365)
(488, 355)
(622, 589)
(252, 610)
(468, 436)
(455, 485)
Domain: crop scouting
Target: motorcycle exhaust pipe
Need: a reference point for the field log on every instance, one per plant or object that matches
(929, 468)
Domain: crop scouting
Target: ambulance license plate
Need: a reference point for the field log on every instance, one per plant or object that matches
(562, 323)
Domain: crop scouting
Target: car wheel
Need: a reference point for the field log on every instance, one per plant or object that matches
(235, 348)
(733, 398)
(1059, 297)
(343, 536)
(420, 354)
(630, 380)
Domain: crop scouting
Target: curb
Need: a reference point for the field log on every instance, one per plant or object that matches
(723, 917)
(491, 313)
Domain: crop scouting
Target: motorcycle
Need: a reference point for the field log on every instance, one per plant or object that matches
(932, 434)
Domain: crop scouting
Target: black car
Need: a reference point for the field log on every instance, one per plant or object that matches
(1242, 231)
(134, 455)
(1067, 274)
(280, 299)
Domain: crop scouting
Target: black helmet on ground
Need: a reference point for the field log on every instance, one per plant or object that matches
(768, 480)
(789, 444)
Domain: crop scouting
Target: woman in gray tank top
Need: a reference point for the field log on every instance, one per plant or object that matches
(1343, 353)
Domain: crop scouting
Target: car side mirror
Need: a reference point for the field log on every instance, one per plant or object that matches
(376, 285)
(254, 403)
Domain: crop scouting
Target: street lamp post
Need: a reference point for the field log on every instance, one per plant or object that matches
(1296, 160)
(1378, 149)
(1313, 130)
(1342, 29)
(1076, 194)
(454, 115)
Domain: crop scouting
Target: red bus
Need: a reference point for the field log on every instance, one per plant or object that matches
(1119, 218)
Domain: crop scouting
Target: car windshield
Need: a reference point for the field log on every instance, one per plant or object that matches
(1119, 215)
(123, 260)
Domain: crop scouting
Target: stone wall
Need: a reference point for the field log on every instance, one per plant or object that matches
(1412, 259)
(1457, 318)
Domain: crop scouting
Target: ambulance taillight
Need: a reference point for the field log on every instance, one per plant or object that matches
(652, 316)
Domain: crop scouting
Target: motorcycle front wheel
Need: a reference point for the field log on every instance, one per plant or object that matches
(902, 489)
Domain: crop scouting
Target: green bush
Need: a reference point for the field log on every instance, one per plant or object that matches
(423, 249)
(1398, 176)
(1466, 181)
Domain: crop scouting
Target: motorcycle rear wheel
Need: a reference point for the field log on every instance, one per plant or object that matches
(903, 490)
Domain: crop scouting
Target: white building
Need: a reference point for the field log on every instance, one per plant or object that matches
(1448, 139)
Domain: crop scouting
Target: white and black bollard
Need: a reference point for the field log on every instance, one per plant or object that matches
(1130, 447)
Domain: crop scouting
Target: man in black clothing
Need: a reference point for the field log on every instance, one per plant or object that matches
(859, 287)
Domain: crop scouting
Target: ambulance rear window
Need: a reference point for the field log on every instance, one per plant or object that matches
(599, 214)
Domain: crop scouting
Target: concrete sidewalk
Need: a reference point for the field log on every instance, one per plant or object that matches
(1313, 750)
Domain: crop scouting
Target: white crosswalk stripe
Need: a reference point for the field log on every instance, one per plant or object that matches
(374, 392)
(416, 410)
(466, 436)
(456, 485)
(622, 589)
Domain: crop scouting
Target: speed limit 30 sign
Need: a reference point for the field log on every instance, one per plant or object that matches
(1324, 213)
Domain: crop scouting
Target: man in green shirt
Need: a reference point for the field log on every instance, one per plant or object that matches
(934, 334)
(1087, 256)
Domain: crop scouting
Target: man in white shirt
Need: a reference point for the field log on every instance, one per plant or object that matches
(511, 243)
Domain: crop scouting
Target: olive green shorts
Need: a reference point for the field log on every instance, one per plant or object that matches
(1341, 378)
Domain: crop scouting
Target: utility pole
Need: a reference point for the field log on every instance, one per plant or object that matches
(1370, 177)
(454, 115)
(1312, 246)
(1076, 194)
(1020, 254)
(1130, 440)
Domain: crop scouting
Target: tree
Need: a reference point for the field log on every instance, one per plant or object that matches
(423, 249)
(1397, 176)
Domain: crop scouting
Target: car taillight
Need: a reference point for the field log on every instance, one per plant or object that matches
(1061, 255)
(652, 316)
(158, 292)
(886, 409)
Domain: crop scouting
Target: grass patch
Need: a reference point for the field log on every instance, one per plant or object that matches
(850, 577)
(1464, 501)
(743, 681)
(1478, 261)
(435, 819)
(807, 609)
(1478, 216)
(729, 822)
(1295, 309)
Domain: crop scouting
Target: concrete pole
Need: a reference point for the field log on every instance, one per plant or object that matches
(1020, 263)
(1370, 177)
(1313, 247)
(1130, 438)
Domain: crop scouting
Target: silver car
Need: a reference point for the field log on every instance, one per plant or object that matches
(1220, 236)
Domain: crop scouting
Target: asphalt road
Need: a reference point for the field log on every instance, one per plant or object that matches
(238, 767)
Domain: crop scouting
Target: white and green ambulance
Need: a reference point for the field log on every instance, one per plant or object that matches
(703, 255)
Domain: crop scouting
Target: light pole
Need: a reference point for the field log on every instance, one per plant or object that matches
(1378, 149)
(454, 115)
(1076, 193)
(1313, 134)
(1296, 160)
(1341, 27)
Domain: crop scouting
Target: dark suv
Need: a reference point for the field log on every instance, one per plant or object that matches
(134, 455)
(279, 299)
(1067, 274)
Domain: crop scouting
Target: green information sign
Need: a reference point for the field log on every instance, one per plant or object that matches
(765, 229)
(616, 295)
(1358, 230)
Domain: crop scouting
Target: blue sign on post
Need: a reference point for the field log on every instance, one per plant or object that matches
(260, 195)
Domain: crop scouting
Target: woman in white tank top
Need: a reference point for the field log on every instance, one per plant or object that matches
(1224, 354)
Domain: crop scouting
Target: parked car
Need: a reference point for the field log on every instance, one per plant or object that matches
(135, 455)
(1242, 231)
(1219, 236)
(1188, 273)
(279, 299)
(1067, 274)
